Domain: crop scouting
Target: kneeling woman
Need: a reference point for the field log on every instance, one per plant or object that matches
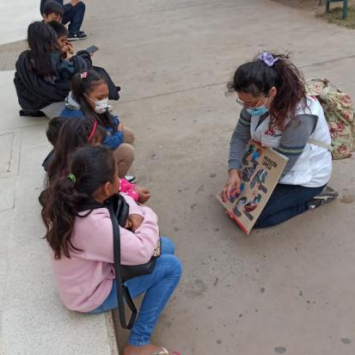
(81, 241)
(277, 113)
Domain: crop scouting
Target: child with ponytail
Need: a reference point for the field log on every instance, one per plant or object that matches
(67, 135)
(81, 244)
(89, 99)
(277, 113)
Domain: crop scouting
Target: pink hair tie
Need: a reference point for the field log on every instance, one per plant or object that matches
(92, 131)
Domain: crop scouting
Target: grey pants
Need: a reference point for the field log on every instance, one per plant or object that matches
(53, 110)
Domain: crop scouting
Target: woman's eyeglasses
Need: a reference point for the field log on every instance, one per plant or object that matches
(240, 102)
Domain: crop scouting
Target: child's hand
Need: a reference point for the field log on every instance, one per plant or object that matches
(128, 224)
(136, 221)
(120, 127)
(68, 48)
(144, 194)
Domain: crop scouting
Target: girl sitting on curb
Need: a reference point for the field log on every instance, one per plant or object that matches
(81, 242)
(89, 99)
(67, 135)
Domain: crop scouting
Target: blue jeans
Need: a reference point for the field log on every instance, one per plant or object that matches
(286, 201)
(158, 287)
(74, 15)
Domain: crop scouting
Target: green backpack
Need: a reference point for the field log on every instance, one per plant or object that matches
(339, 113)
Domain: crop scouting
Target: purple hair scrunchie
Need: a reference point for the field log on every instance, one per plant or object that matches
(267, 58)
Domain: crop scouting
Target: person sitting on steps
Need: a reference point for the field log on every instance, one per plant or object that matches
(89, 99)
(68, 135)
(42, 77)
(67, 50)
(72, 13)
(79, 232)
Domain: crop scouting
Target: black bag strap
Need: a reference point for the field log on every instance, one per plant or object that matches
(122, 289)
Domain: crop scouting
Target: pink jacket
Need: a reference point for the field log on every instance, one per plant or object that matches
(85, 280)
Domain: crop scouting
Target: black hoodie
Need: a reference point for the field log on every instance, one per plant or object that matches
(34, 92)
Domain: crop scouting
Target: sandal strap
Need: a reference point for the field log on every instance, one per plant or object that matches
(162, 352)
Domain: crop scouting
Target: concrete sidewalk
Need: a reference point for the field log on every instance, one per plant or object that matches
(33, 321)
(285, 290)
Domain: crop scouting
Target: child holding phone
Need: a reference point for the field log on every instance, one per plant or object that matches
(67, 50)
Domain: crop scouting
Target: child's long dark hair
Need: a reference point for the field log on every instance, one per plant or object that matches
(74, 134)
(258, 78)
(83, 84)
(91, 167)
(42, 41)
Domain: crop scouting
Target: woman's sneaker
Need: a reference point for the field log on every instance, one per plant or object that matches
(77, 36)
(327, 195)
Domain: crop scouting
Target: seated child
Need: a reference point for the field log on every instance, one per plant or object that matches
(51, 11)
(42, 77)
(65, 46)
(66, 136)
(81, 246)
(72, 12)
(89, 98)
(67, 50)
(52, 134)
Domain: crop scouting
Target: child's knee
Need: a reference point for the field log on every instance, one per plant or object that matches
(125, 152)
(128, 135)
(167, 246)
(81, 5)
(175, 265)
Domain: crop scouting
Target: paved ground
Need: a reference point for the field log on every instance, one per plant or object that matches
(286, 290)
(33, 322)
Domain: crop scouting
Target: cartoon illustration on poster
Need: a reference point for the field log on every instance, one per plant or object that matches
(260, 172)
(235, 193)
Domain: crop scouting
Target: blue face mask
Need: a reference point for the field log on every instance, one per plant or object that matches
(257, 111)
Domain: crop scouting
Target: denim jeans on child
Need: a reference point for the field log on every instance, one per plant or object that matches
(74, 15)
(286, 201)
(158, 287)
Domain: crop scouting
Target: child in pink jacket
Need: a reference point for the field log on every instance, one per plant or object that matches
(81, 243)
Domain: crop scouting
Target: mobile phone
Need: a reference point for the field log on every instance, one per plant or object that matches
(92, 49)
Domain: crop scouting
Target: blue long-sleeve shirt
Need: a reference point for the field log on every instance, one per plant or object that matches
(113, 138)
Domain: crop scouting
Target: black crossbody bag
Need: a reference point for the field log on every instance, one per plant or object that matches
(119, 212)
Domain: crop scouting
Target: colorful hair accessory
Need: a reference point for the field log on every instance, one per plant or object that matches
(72, 178)
(84, 75)
(267, 58)
(92, 131)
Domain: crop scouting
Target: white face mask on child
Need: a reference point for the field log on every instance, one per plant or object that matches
(101, 106)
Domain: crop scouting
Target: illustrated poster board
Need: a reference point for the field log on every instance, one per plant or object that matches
(261, 171)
